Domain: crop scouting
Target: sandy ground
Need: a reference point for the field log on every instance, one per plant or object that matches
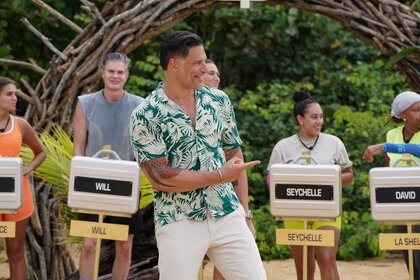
(373, 269)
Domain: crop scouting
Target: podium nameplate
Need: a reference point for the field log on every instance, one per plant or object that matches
(397, 195)
(99, 230)
(7, 184)
(305, 192)
(102, 186)
(7, 229)
(305, 237)
(399, 241)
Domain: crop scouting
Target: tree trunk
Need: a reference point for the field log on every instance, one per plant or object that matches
(122, 26)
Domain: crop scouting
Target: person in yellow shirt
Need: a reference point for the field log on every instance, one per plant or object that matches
(405, 110)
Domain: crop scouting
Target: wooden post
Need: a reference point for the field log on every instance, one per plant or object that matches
(98, 251)
(305, 254)
(201, 272)
(410, 253)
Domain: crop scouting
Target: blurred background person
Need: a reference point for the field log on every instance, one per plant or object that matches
(212, 77)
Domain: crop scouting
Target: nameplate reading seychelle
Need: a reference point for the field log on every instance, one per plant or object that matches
(7, 184)
(305, 237)
(397, 195)
(102, 186)
(307, 192)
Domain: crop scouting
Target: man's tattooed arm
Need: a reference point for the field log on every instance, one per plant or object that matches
(159, 171)
(230, 153)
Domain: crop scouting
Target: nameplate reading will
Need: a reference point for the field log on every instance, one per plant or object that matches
(397, 195)
(102, 186)
(307, 192)
(7, 184)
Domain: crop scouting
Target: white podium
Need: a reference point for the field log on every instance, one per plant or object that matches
(395, 193)
(11, 176)
(105, 187)
(395, 199)
(305, 192)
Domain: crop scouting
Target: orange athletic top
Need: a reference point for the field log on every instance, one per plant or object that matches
(10, 143)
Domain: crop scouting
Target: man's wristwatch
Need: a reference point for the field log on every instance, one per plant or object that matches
(249, 215)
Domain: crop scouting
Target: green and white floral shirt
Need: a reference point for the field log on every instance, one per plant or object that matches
(159, 128)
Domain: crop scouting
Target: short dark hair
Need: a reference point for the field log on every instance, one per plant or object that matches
(177, 44)
(209, 61)
(302, 98)
(4, 81)
(116, 56)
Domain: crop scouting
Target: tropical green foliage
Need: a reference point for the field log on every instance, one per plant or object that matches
(56, 168)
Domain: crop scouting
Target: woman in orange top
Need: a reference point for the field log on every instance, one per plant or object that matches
(13, 132)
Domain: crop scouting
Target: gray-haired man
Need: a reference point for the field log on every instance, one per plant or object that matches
(102, 118)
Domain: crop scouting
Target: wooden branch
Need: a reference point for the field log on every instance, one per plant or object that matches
(38, 249)
(35, 221)
(59, 16)
(31, 66)
(44, 39)
(45, 217)
(28, 114)
(387, 21)
(35, 98)
(25, 97)
(93, 10)
(404, 25)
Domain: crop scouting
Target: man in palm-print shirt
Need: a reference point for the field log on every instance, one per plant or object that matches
(185, 139)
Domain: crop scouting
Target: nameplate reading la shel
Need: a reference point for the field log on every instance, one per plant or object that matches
(399, 241)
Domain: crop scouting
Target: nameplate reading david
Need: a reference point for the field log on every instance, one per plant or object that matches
(397, 195)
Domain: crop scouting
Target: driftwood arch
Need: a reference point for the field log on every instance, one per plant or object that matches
(123, 25)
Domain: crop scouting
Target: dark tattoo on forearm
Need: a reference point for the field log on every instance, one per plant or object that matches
(158, 170)
(235, 183)
(231, 153)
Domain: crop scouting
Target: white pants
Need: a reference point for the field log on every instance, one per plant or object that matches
(227, 241)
